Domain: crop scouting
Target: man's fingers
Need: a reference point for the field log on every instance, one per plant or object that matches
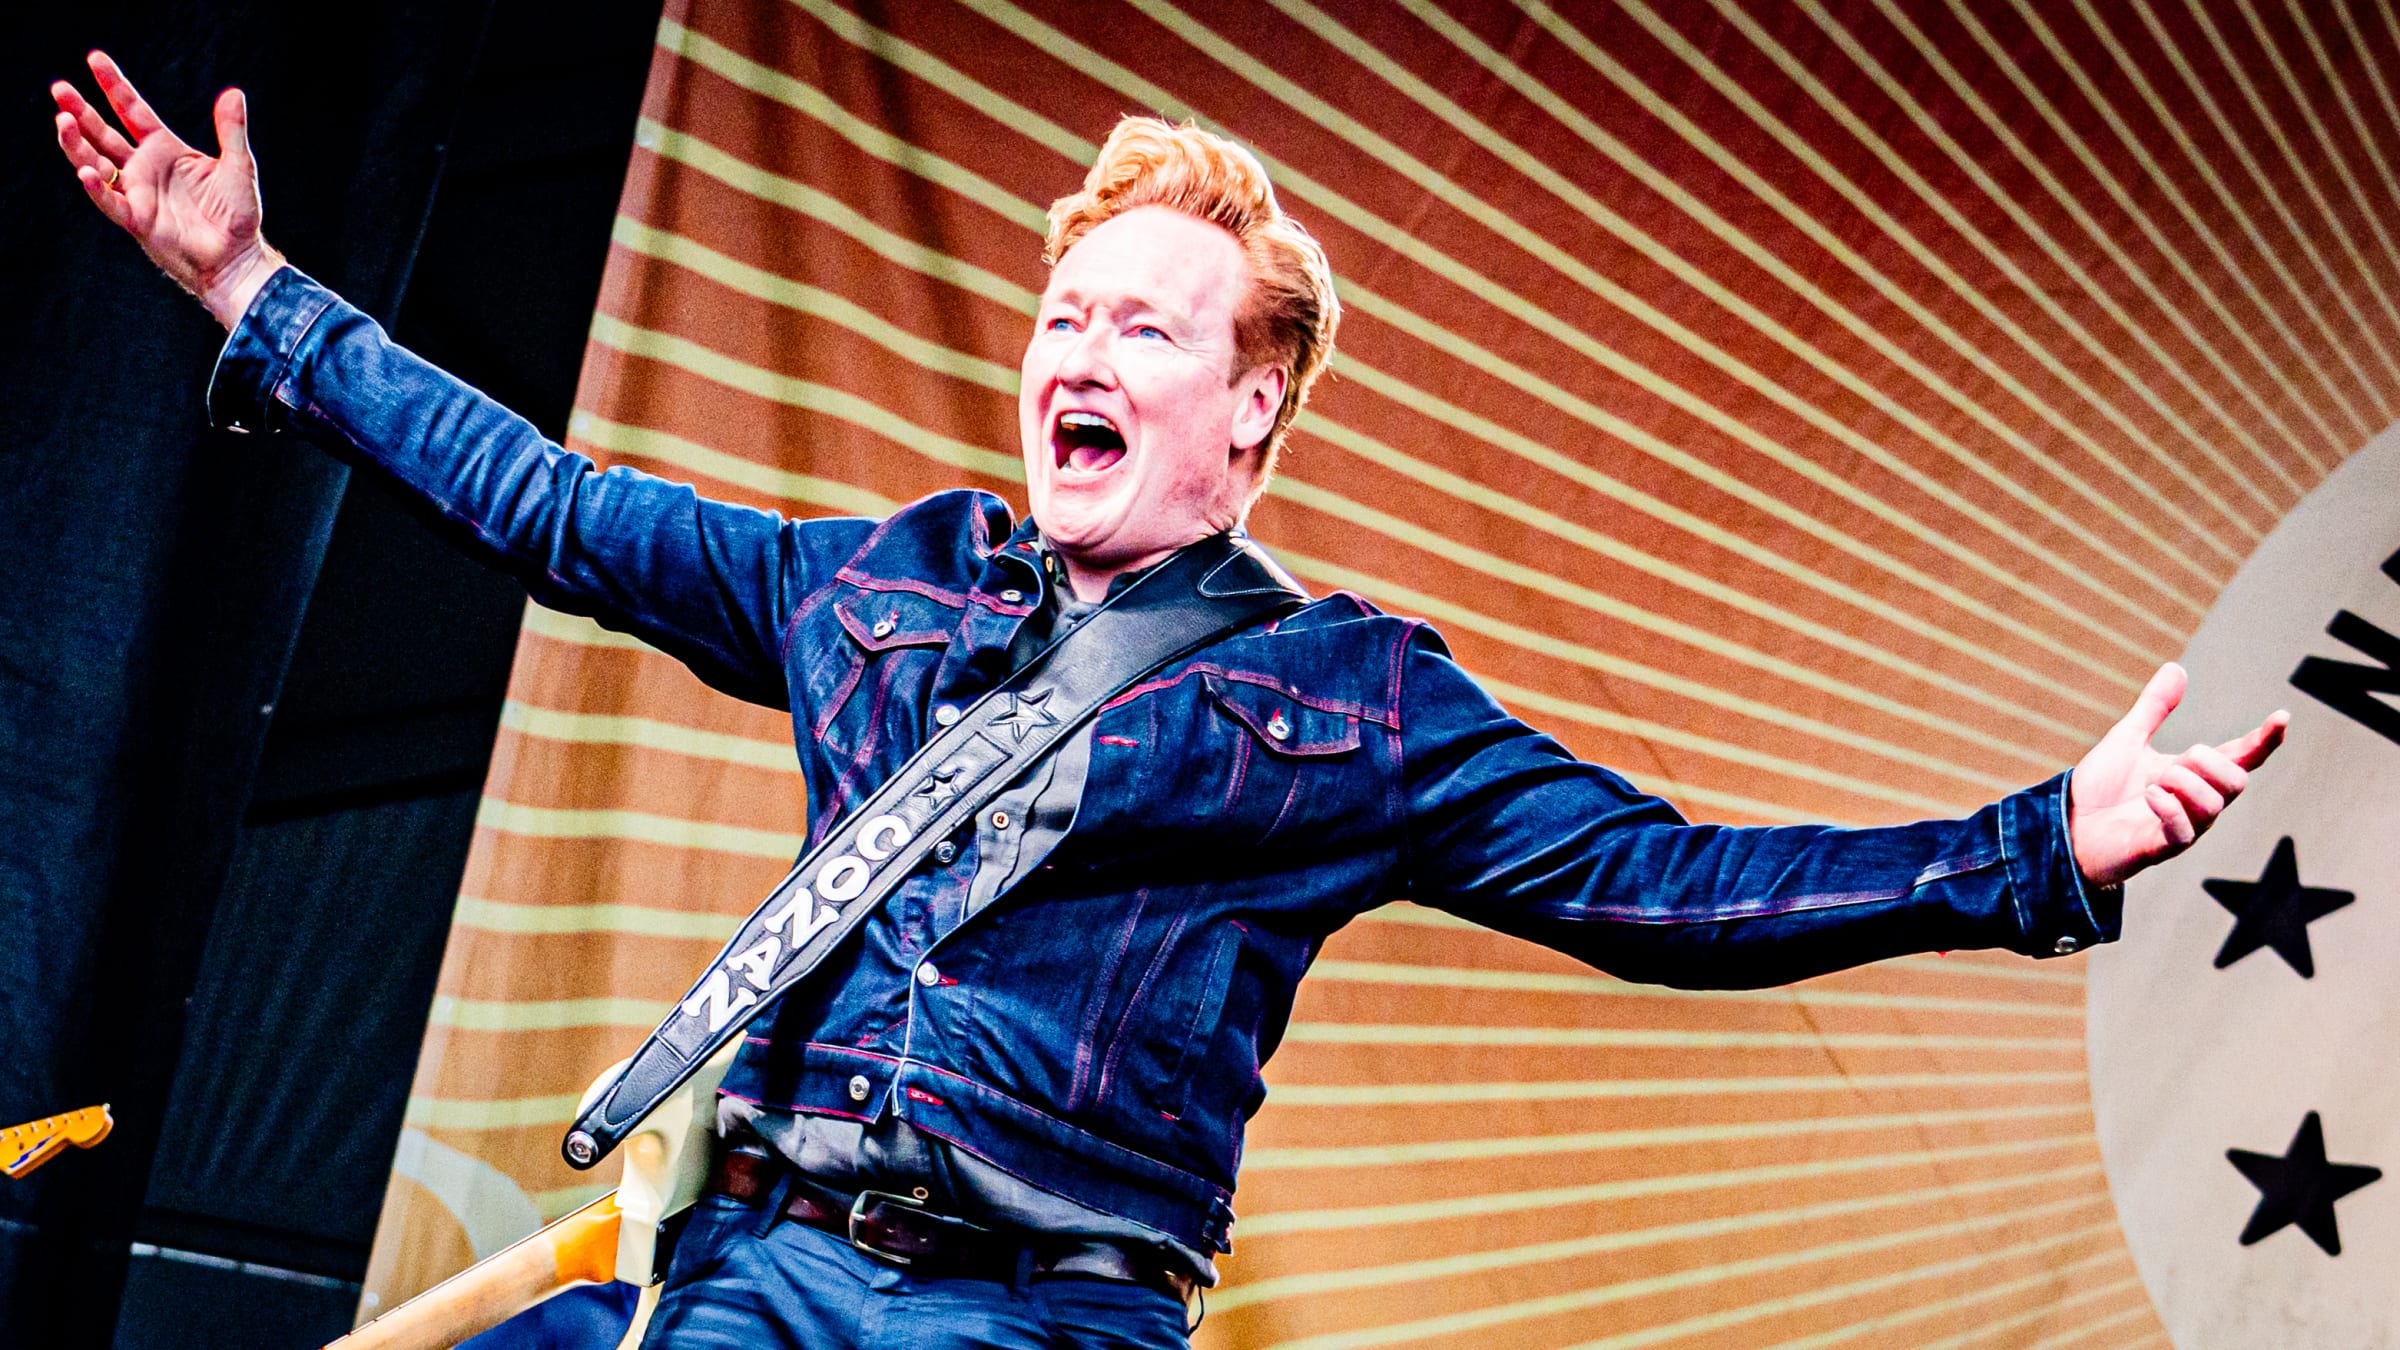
(2171, 817)
(112, 204)
(139, 121)
(2217, 769)
(233, 127)
(2201, 802)
(79, 151)
(92, 171)
(95, 129)
(2252, 750)
(2157, 699)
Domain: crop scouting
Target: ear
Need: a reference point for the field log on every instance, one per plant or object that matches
(1261, 398)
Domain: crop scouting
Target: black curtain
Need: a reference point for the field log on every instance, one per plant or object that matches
(156, 573)
(227, 896)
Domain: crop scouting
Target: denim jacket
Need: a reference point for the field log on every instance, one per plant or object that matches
(1099, 1029)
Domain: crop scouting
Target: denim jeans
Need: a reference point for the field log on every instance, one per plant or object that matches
(744, 1279)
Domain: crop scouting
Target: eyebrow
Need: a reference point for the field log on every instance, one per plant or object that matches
(1137, 303)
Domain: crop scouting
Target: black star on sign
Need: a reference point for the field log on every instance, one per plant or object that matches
(2274, 911)
(2299, 1187)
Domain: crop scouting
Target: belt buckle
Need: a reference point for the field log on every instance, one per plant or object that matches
(858, 1212)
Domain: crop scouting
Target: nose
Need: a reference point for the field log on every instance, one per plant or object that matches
(1088, 361)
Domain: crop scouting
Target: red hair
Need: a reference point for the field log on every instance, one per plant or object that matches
(1289, 316)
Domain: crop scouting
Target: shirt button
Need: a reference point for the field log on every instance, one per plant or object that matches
(2065, 946)
(1277, 727)
(883, 628)
(945, 853)
(859, 1087)
(1012, 597)
(927, 975)
(946, 714)
(999, 820)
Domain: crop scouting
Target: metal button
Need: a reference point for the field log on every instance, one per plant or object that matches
(883, 628)
(859, 1087)
(928, 976)
(946, 714)
(945, 853)
(1012, 597)
(1278, 728)
(2065, 946)
(999, 820)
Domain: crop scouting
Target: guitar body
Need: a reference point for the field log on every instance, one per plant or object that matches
(27, 1146)
(624, 1235)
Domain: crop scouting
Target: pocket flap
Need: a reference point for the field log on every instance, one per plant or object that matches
(1284, 723)
(877, 620)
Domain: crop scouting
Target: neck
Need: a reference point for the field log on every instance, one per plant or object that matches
(1090, 580)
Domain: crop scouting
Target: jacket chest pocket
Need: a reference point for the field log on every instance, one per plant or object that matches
(1225, 760)
(1282, 755)
(875, 653)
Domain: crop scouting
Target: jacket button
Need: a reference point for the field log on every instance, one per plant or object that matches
(883, 628)
(859, 1087)
(1278, 728)
(999, 820)
(1012, 597)
(2065, 946)
(945, 853)
(927, 975)
(946, 714)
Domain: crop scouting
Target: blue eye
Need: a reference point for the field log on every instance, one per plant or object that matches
(1060, 325)
(1147, 330)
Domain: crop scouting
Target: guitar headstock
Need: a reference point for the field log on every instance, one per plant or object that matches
(27, 1146)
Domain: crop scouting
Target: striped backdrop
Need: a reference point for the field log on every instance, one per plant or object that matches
(1817, 410)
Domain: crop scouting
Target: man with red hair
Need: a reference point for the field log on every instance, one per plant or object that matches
(1010, 1111)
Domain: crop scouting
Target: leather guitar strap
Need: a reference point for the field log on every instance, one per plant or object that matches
(1209, 590)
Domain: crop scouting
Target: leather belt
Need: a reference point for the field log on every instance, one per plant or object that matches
(899, 1229)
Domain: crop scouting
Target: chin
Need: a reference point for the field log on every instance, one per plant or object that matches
(1076, 527)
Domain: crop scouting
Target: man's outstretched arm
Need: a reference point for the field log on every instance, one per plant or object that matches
(708, 582)
(1508, 829)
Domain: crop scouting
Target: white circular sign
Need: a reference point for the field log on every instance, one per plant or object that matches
(2249, 1113)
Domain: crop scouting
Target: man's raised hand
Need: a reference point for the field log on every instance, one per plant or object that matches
(2130, 806)
(196, 215)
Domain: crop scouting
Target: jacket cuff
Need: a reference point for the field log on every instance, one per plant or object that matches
(2061, 913)
(251, 386)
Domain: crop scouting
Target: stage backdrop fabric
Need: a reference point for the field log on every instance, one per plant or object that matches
(1825, 410)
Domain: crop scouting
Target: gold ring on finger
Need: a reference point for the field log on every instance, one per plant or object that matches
(115, 171)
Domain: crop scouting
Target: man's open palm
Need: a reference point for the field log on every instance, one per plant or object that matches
(196, 215)
(2131, 806)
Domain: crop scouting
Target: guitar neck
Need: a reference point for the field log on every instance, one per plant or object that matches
(580, 1248)
(27, 1146)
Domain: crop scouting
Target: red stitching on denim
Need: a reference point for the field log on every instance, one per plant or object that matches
(1330, 705)
(1109, 1151)
(1286, 809)
(1084, 1044)
(1116, 1039)
(846, 787)
(841, 695)
(865, 581)
(1241, 770)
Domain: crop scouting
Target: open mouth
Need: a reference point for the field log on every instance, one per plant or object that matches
(1086, 442)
